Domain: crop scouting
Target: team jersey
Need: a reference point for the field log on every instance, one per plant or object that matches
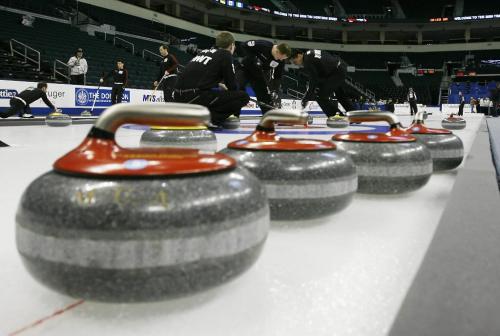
(320, 65)
(119, 76)
(207, 70)
(32, 94)
(262, 51)
(168, 64)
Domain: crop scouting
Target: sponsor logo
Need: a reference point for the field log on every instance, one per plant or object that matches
(152, 99)
(56, 94)
(102, 97)
(7, 93)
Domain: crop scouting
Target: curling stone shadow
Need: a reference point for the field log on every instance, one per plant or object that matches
(301, 224)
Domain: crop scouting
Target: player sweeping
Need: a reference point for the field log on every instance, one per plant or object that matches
(327, 75)
(262, 68)
(20, 104)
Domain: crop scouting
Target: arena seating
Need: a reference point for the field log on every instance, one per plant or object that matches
(470, 89)
(100, 55)
(481, 7)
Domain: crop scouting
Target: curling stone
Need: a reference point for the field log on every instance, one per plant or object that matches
(304, 178)
(86, 113)
(310, 119)
(232, 122)
(447, 150)
(120, 224)
(198, 137)
(453, 123)
(386, 163)
(337, 121)
(58, 119)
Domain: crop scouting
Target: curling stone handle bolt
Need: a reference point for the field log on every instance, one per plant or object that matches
(287, 117)
(362, 115)
(170, 114)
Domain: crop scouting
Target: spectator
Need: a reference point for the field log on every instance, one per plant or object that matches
(412, 100)
(78, 67)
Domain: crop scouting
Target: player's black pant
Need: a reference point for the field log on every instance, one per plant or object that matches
(334, 83)
(116, 94)
(413, 106)
(250, 73)
(78, 79)
(461, 109)
(168, 86)
(16, 107)
(221, 104)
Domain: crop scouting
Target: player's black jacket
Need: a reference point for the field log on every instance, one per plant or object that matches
(207, 70)
(320, 66)
(33, 94)
(119, 76)
(259, 52)
(169, 64)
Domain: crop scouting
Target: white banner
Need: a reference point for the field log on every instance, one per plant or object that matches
(73, 99)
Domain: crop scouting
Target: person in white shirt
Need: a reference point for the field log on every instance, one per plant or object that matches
(78, 67)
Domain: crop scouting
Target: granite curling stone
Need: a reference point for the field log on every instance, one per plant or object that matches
(304, 178)
(386, 163)
(447, 150)
(232, 122)
(310, 119)
(86, 113)
(337, 121)
(198, 137)
(453, 123)
(58, 119)
(120, 224)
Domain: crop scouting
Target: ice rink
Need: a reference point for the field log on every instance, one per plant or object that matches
(342, 275)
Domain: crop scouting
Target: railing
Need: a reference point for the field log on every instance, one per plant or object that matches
(146, 51)
(62, 73)
(24, 54)
(292, 79)
(294, 93)
(122, 40)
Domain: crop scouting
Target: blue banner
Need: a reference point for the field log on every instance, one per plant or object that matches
(7, 93)
(86, 96)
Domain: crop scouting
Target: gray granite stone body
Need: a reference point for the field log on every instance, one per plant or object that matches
(146, 239)
(337, 123)
(58, 120)
(389, 168)
(447, 150)
(198, 139)
(453, 125)
(302, 184)
(231, 123)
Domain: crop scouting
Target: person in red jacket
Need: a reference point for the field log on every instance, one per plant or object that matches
(167, 74)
